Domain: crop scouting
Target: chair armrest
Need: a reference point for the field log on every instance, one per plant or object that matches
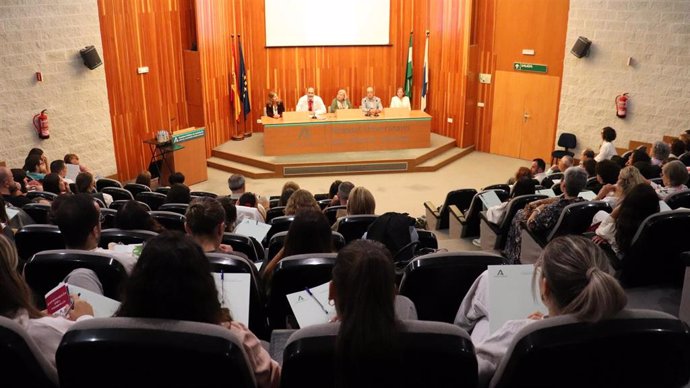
(433, 209)
(685, 258)
(496, 228)
(456, 213)
(535, 236)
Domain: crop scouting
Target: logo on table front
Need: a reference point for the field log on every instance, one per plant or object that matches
(304, 133)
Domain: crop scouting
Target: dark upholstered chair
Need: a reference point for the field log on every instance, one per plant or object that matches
(437, 218)
(568, 141)
(169, 220)
(32, 239)
(22, 362)
(122, 236)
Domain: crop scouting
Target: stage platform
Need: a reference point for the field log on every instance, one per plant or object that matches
(247, 157)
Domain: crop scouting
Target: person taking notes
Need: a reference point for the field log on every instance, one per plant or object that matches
(311, 103)
(400, 100)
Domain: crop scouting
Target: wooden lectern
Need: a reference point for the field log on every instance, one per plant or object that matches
(191, 159)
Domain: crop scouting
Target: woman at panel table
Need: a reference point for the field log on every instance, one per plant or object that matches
(274, 106)
(341, 101)
(400, 100)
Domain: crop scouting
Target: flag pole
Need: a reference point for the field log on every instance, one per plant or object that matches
(234, 136)
(247, 133)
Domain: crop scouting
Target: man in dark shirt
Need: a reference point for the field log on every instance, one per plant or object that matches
(9, 189)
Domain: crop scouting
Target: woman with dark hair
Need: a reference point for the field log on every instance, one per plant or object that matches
(274, 106)
(32, 167)
(144, 178)
(43, 165)
(285, 196)
(333, 190)
(178, 193)
(133, 216)
(607, 149)
(230, 213)
(172, 280)
(86, 184)
(52, 183)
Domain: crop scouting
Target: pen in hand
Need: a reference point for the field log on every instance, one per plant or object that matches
(315, 300)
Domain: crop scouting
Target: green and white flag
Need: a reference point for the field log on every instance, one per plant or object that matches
(408, 72)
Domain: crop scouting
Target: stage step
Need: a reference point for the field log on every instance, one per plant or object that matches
(443, 159)
(240, 168)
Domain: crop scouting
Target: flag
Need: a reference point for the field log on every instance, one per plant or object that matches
(408, 71)
(244, 82)
(425, 73)
(234, 95)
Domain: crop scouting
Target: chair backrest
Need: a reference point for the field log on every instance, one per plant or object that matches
(102, 183)
(117, 205)
(169, 220)
(136, 188)
(119, 352)
(427, 239)
(654, 254)
(203, 194)
(38, 212)
(293, 274)
(274, 212)
(278, 241)
(153, 199)
(324, 203)
(108, 218)
(278, 224)
(273, 202)
(35, 238)
(117, 193)
(576, 218)
(48, 268)
(438, 282)
(658, 181)
(240, 243)
(41, 194)
(22, 363)
(331, 212)
(179, 208)
(353, 227)
(432, 354)
(593, 185)
(122, 236)
(228, 263)
(637, 348)
(676, 200)
(514, 205)
(163, 190)
(567, 140)
(461, 198)
(499, 186)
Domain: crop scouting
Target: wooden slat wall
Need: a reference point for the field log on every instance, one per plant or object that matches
(143, 33)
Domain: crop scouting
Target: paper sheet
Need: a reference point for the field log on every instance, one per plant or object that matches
(587, 195)
(311, 309)
(510, 294)
(547, 192)
(253, 228)
(11, 212)
(489, 199)
(72, 171)
(233, 293)
(102, 307)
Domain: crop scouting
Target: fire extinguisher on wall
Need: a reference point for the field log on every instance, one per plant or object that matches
(622, 105)
(41, 124)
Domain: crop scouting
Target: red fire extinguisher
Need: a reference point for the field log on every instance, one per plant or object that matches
(622, 105)
(41, 124)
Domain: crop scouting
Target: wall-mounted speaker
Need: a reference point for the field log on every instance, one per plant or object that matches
(581, 47)
(90, 57)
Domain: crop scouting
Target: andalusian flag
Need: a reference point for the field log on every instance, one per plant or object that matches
(408, 72)
(234, 95)
(244, 83)
(425, 82)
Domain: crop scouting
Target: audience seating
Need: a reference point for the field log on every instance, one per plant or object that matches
(118, 194)
(48, 268)
(433, 354)
(278, 241)
(574, 219)
(324, 203)
(354, 227)
(331, 212)
(493, 236)
(153, 199)
(41, 194)
(179, 208)
(321, 197)
(35, 238)
(658, 181)
(203, 194)
(106, 182)
(136, 188)
(676, 200)
(116, 205)
(169, 220)
(273, 202)
(229, 263)
(242, 244)
(593, 185)
(293, 274)
(427, 239)
(548, 181)
(278, 224)
(108, 218)
(437, 218)
(121, 352)
(22, 362)
(499, 186)
(98, 201)
(568, 141)
(38, 212)
(637, 348)
(274, 212)
(466, 223)
(73, 187)
(163, 190)
(122, 236)
(438, 282)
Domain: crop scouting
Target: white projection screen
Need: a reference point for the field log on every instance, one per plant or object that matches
(291, 23)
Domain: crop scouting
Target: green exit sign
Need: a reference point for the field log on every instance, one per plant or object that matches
(519, 66)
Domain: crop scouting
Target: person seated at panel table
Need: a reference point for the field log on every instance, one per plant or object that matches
(311, 103)
(371, 105)
(400, 100)
(274, 106)
(341, 101)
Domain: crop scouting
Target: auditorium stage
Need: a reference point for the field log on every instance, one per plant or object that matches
(247, 157)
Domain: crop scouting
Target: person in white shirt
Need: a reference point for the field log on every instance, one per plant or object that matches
(537, 169)
(660, 152)
(607, 149)
(674, 175)
(371, 105)
(310, 102)
(400, 100)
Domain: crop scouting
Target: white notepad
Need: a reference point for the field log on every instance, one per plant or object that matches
(489, 199)
(547, 192)
(72, 171)
(253, 228)
(103, 307)
(587, 195)
(510, 294)
(311, 309)
(233, 294)
(11, 212)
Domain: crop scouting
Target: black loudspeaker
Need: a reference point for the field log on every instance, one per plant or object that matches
(581, 47)
(90, 57)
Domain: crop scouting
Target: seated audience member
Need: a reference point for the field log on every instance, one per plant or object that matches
(540, 216)
(363, 290)
(606, 172)
(285, 197)
(341, 101)
(78, 218)
(43, 165)
(301, 199)
(400, 100)
(628, 178)
(521, 172)
(230, 213)
(10, 190)
(274, 106)
(178, 193)
(641, 160)
(144, 178)
(52, 183)
(172, 280)
(523, 186)
(74, 159)
(618, 228)
(677, 148)
(607, 149)
(17, 304)
(250, 200)
(206, 224)
(371, 105)
(176, 177)
(344, 188)
(674, 174)
(87, 185)
(33, 164)
(237, 186)
(333, 190)
(586, 154)
(290, 185)
(133, 216)
(564, 163)
(311, 103)
(360, 201)
(573, 276)
(590, 165)
(537, 169)
(308, 233)
(58, 167)
(660, 152)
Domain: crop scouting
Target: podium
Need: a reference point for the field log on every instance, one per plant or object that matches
(190, 159)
